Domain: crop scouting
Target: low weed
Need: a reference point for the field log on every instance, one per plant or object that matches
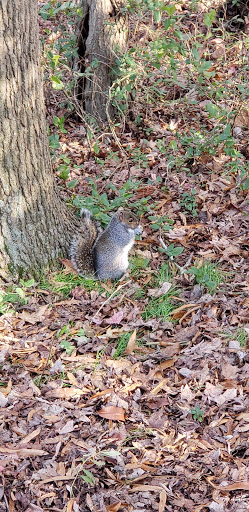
(62, 283)
(188, 202)
(137, 265)
(163, 274)
(239, 335)
(101, 206)
(207, 275)
(171, 251)
(15, 294)
(161, 307)
(122, 344)
(197, 413)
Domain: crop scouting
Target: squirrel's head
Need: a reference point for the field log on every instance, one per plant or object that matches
(128, 218)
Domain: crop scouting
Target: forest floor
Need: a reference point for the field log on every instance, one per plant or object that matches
(133, 396)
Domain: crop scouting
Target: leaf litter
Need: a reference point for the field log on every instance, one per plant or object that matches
(165, 425)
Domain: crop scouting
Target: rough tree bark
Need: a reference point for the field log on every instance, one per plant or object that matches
(104, 29)
(35, 225)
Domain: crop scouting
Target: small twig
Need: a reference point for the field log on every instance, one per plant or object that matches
(168, 491)
(164, 246)
(240, 234)
(181, 269)
(109, 298)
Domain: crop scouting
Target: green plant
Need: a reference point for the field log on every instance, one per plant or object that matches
(101, 206)
(162, 275)
(172, 251)
(15, 294)
(207, 274)
(163, 222)
(161, 307)
(122, 344)
(97, 459)
(138, 264)
(240, 334)
(59, 123)
(61, 283)
(139, 157)
(197, 413)
(41, 380)
(188, 202)
(65, 343)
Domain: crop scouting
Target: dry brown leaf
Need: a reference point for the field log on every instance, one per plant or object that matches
(72, 379)
(167, 364)
(11, 506)
(69, 427)
(65, 393)
(3, 400)
(244, 485)
(184, 307)
(186, 393)
(6, 390)
(90, 504)
(70, 505)
(162, 502)
(114, 508)
(23, 452)
(131, 346)
(140, 487)
(243, 416)
(242, 119)
(47, 495)
(220, 48)
(116, 318)
(30, 436)
(32, 318)
(229, 371)
(111, 412)
(99, 394)
(158, 292)
(159, 387)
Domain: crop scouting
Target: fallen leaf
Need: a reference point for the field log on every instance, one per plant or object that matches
(69, 427)
(32, 318)
(131, 346)
(23, 452)
(65, 393)
(112, 413)
(30, 436)
(34, 508)
(3, 400)
(186, 393)
(116, 318)
(114, 508)
(229, 371)
(162, 502)
(158, 292)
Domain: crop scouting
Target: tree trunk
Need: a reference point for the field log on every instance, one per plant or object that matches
(103, 32)
(35, 226)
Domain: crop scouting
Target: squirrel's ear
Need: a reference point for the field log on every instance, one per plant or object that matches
(120, 215)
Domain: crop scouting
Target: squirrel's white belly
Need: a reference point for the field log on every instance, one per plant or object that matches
(124, 258)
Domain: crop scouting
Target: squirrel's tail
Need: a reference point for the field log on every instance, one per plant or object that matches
(82, 243)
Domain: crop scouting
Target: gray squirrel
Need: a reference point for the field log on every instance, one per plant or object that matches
(104, 254)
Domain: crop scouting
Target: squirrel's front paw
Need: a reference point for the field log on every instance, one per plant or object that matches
(138, 230)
